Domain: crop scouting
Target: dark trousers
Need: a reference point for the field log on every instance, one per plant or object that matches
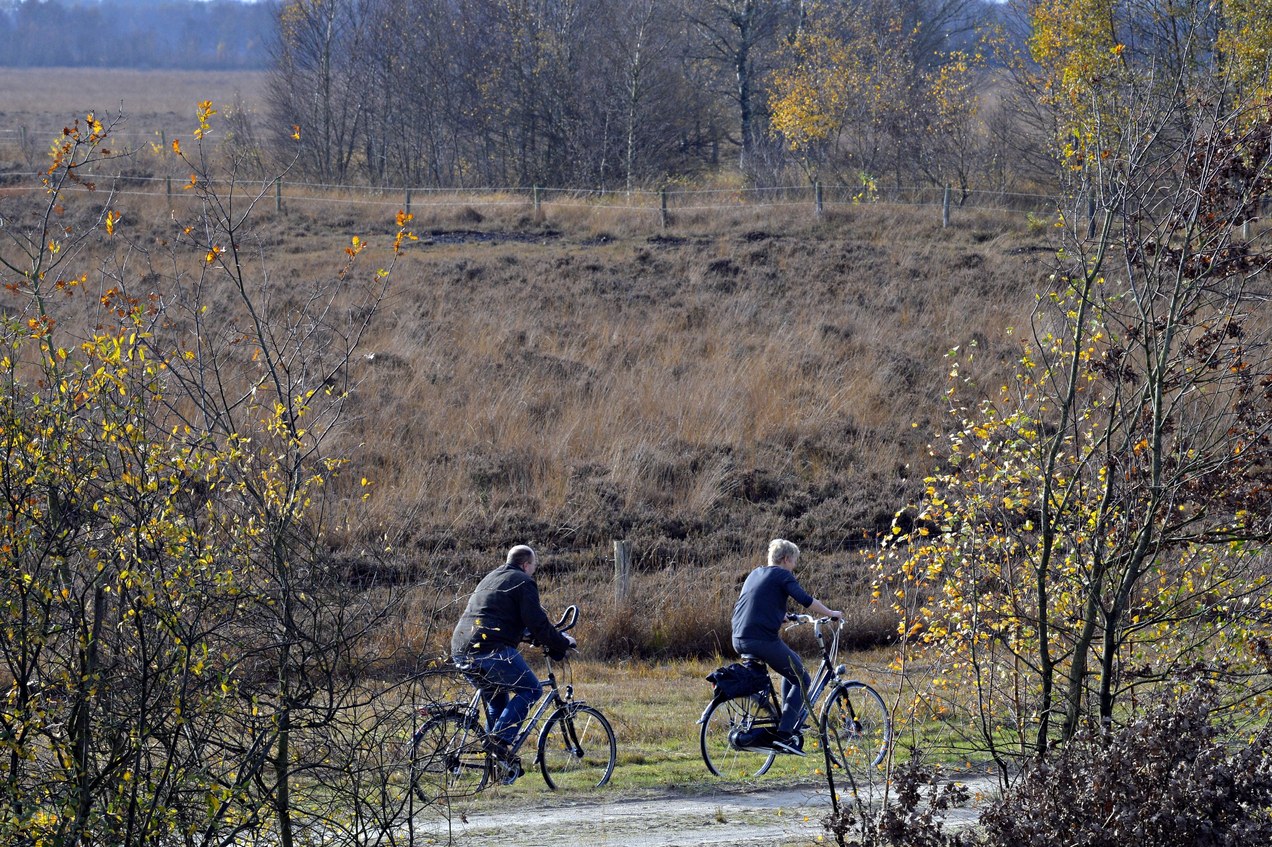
(795, 680)
(509, 688)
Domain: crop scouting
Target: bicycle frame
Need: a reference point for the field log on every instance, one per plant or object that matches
(544, 704)
(827, 671)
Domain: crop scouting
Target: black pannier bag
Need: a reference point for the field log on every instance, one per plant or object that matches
(739, 679)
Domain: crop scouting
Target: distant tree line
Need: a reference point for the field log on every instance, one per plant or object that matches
(627, 93)
(218, 34)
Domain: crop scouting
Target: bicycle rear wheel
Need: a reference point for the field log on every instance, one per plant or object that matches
(736, 714)
(449, 757)
(856, 729)
(577, 749)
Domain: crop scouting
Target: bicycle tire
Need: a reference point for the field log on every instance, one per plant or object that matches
(449, 757)
(856, 729)
(728, 714)
(577, 750)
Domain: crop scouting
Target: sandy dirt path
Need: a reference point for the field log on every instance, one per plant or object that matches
(744, 817)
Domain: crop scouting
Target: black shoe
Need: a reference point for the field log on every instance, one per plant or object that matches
(497, 747)
(789, 742)
(509, 770)
(507, 765)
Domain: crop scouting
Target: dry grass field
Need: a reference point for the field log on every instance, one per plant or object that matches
(45, 99)
(581, 376)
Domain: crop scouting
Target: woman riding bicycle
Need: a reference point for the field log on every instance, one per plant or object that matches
(757, 619)
(503, 607)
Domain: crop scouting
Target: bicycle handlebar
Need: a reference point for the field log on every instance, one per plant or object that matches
(568, 618)
(796, 619)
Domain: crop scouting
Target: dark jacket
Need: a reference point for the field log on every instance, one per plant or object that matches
(761, 607)
(504, 605)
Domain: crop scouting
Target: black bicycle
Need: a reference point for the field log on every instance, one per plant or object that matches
(450, 753)
(853, 723)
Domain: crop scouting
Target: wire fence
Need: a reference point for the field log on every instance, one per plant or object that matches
(664, 203)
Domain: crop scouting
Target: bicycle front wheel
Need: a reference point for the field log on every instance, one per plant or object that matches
(577, 748)
(449, 757)
(726, 716)
(856, 730)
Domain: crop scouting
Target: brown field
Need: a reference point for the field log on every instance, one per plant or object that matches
(583, 376)
(45, 97)
(40, 101)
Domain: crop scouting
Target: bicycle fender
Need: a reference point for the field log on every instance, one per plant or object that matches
(543, 727)
(759, 698)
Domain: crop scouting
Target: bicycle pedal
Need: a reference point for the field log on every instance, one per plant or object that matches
(510, 771)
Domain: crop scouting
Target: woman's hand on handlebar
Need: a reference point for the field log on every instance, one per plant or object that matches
(831, 615)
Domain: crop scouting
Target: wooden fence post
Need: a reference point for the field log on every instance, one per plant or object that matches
(408, 201)
(945, 207)
(662, 207)
(278, 194)
(168, 187)
(622, 571)
(817, 195)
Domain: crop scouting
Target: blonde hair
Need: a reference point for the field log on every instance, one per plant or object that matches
(780, 550)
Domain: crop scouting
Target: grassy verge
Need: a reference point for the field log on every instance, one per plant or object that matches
(654, 710)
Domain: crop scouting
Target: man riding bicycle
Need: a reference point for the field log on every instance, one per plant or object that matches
(501, 611)
(757, 619)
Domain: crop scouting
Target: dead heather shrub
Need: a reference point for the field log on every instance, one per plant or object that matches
(914, 815)
(686, 611)
(1174, 776)
(676, 612)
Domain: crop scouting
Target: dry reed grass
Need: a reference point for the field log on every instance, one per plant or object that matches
(747, 373)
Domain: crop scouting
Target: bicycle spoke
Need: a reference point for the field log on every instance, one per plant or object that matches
(577, 749)
(726, 717)
(450, 757)
(856, 729)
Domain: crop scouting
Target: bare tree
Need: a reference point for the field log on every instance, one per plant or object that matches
(740, 37)
(318, 81)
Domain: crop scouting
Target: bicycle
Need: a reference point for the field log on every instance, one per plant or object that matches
(854, 724)
(450, 753)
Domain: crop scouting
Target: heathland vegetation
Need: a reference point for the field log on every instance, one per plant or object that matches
(256, 451)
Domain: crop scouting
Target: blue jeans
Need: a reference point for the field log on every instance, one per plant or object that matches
(509, 688)
(795, 680)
